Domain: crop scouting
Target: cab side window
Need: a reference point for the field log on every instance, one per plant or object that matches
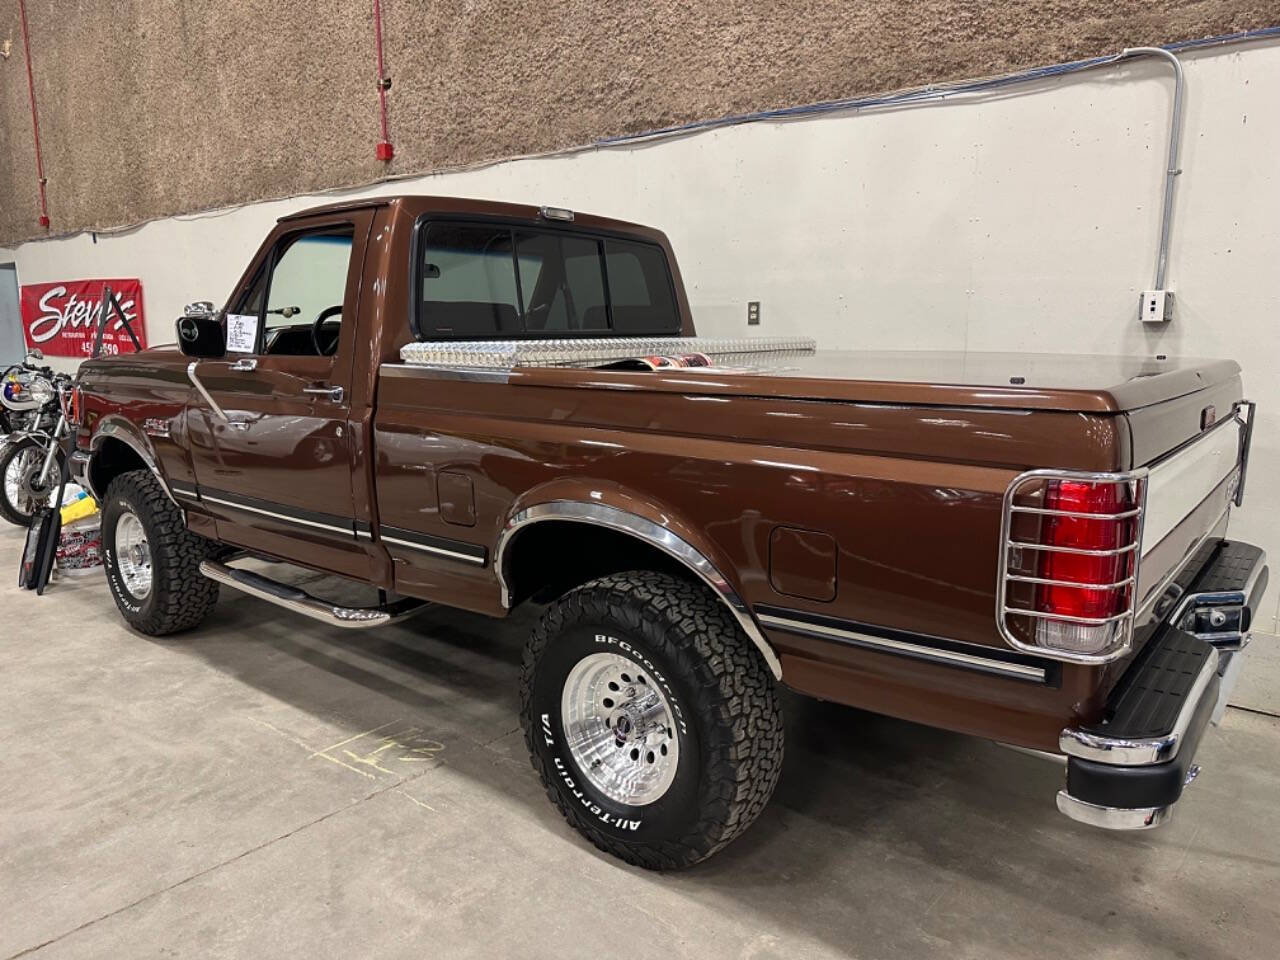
(298, 294)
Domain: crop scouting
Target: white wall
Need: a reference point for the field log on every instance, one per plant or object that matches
(1025, 222)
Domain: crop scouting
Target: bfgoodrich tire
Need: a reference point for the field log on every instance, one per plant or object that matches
(151, 558)
(651, 719)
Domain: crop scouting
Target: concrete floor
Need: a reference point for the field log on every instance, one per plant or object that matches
(267, 787)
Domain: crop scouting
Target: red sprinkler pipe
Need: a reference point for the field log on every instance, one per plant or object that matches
(35, 117)
(384, 151)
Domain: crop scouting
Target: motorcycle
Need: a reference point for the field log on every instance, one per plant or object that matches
(35, 402)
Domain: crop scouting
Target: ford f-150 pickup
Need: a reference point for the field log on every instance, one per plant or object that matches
(484, 404)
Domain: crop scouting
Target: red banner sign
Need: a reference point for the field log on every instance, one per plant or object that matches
(61, 319)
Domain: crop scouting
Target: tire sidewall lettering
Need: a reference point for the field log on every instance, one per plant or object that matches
(110, 560)
(589, 805)
(123, 597)
(676, 810)
(644, 661)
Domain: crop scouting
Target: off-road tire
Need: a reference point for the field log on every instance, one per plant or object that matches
(10, 451)
(730, 752)
(180, 597)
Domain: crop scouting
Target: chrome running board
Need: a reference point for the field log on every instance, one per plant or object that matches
(291, 598)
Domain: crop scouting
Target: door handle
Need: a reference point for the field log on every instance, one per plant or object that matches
(246, 365)
(332, 394)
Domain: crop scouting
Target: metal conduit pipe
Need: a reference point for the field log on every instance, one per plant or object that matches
(35, 116)
(1175, 136)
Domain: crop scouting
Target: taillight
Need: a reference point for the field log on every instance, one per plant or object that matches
(1088, 566)
(1069, 570)
(74, 407)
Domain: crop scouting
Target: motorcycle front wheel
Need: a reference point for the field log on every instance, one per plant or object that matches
(21, 493)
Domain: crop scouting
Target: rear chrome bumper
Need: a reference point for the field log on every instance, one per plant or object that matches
(1128, 772)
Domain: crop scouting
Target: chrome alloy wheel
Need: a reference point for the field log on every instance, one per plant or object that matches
(619, 729)
(133, 555)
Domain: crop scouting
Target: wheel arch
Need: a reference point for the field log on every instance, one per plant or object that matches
(116, 447)
(628, 522)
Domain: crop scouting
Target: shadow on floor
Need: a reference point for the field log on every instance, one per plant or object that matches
(903, 833)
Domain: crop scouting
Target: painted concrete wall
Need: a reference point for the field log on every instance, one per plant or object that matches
(1023, 222)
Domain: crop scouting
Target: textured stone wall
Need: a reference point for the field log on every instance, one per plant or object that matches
(157, 107)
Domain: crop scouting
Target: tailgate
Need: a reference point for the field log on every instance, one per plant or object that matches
(1193, 450)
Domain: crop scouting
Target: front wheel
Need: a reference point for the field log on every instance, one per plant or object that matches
(151, 558)
(21, 492)
(652, 721)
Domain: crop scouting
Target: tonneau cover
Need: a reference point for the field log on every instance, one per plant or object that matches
(790, 367)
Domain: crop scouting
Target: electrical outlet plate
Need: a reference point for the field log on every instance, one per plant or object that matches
(1155, 306)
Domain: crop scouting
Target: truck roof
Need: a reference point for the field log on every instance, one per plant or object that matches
(420, 204)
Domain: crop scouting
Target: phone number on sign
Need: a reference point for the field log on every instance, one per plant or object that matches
(108, 349)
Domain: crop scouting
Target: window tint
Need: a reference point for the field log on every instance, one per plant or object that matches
(481, 281)
(309, 277)
(640, 289)
(562, 283)
(468, 281)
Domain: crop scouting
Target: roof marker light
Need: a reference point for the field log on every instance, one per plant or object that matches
(556, 213)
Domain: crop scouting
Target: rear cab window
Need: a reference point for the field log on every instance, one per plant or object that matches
(505, 281)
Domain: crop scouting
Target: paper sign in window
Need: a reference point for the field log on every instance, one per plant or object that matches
(242, 333)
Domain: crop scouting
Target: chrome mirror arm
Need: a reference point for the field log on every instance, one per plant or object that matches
(195, 382)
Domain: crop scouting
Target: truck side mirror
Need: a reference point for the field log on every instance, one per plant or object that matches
(201, 332)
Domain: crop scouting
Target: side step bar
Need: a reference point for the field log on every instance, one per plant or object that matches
(291, 598)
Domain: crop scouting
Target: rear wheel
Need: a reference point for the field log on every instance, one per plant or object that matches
(21, 492)
(651, 719)
(151, 558)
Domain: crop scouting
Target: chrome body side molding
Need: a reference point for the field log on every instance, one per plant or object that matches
(437, 372)
(949, 653)
(647, 531)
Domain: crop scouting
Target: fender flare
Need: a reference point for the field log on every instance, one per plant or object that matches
(648, 531)
(116, 427)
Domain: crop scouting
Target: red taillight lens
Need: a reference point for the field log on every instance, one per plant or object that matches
(74, 408)
(1108, 532)
(1092, 535)
(1070, 562)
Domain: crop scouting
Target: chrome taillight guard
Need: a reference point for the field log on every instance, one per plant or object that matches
(1179, 482)
(1011, 509)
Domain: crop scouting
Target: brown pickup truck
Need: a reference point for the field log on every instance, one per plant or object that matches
(482, 404)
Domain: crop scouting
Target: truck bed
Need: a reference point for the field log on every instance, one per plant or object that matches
(783, 368)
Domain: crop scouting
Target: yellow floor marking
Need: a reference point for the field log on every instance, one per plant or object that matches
(287, 736)
(425, 806)
(316, 753)
(368, 761)
(343, 743)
